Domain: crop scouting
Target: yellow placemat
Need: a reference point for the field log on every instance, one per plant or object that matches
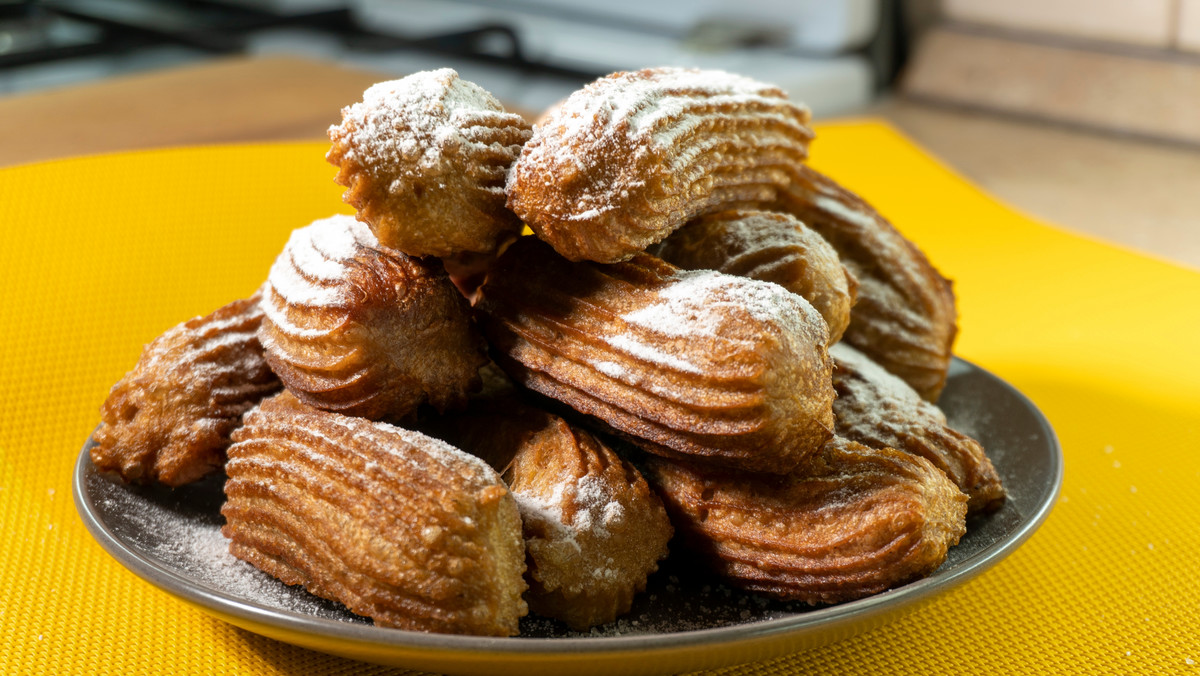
(99, 255)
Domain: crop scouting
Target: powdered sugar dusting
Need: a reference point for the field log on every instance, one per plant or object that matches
(417, 120)
(340, 236)
(594, 512)
(201, 354)
(588, 496)
(415, 449)
(312, 264)
(319, 249)
(610, 369)
(206, 553)
(588, 215)
(629, 344)
(435, 449)
(545, 513)
(291, 285)
(212, 326)
(188, 541)
(697, 302)
(646, 99)
(597, 511)
(647, 119)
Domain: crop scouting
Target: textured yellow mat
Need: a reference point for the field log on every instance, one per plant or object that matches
(99, 255)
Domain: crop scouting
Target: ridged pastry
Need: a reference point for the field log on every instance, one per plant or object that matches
(686, 364)
(631, 157)
(593, 528)
(904, 317)
(770, 246)
(852, 522)
(395, 525)
(878, 409)
(424, 160)
(634, 155)
(354, 327)
(169, 419)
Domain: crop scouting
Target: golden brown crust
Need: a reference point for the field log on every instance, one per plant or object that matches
(395, 525)
(169, 419)
(879, 410)
(772, 247)
(904, 318)
(687, 364)
(354, 327)
(593, 529)
(634, 155)
(424, 160)
(852, 522)
(631, 157)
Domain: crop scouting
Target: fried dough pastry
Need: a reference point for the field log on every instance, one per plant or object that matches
(686, 364)
(851, 522)
(169, 419)
(634, 155)
(904, 317)
(770, 246)
(395, 525)
(424, 160)
(879, 410)
(593, 529)
(354, 327)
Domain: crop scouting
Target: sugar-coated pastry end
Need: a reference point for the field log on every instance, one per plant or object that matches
(355, 327)
(424, 160)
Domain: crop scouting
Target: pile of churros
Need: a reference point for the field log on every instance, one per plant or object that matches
(705, 346)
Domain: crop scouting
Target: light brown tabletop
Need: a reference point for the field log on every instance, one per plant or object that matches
(1140, 194)
(220, 101)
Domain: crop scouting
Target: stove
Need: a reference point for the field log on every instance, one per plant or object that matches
(832, 55)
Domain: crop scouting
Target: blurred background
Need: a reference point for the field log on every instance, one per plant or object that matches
(835, 55)
(1082, 112)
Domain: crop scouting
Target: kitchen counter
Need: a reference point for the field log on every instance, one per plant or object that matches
(1140, 194)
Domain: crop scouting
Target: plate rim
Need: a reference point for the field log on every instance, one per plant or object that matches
(907, 596)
